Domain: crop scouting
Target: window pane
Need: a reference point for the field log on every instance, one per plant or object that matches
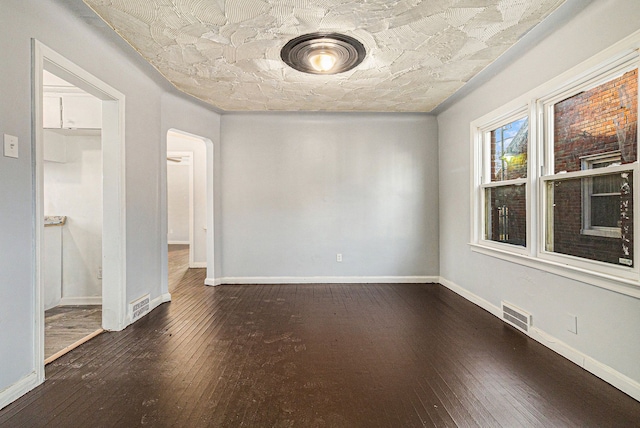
(506, 214)
(591, 226)
(605, 211)
(606, 184)
(509, 150)
(601, 120)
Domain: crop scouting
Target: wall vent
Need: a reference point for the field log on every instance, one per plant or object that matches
(139, 307)
(516, 317)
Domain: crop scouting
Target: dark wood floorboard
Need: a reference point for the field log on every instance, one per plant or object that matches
(317, 356)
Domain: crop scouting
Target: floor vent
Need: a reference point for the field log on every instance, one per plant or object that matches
(516, 317)
(139, 307)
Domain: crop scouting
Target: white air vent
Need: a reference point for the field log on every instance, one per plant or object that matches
(516, 317)
(138, 308)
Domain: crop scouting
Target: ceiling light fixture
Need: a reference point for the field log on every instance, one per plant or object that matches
(323, 53)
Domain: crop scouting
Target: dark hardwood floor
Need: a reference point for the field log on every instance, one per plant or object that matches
(318, 356)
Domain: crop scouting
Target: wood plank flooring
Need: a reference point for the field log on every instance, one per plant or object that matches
(318, 356)
(178, 264)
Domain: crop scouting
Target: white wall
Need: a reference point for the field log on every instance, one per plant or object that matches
(178, 176)
(608, 323)
(150, 111)
(299, 188)
(177, 142)
(74, 189)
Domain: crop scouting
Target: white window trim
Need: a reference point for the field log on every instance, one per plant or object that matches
(619, 58)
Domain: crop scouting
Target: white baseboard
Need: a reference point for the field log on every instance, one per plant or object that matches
(197, 265)
(178, 242)
(87, 300)
(212, 281)
(18, 389)
(325, 280)
(622, 382)
(473, 298)
(163, 298)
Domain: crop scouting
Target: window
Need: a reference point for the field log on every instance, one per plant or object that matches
(601, 197)
(555, 172)
(505, 196)
(593, 144)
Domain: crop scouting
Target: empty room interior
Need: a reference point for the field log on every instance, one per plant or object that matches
(319, 213)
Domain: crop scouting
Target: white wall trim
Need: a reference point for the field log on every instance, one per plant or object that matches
(163, 298)
(323, 280)
(473, 298)
(178, 242)
(212, 281)
(593, 366)
(627, 287)
(113, 192)
(210, 212)
(114, 231)
(87, 300)
(18, 389)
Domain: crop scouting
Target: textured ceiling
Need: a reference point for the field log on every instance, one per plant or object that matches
(227, 52)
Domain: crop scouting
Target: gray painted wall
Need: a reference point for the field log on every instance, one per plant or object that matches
(149, 112)
(608, 323)
(299, 188)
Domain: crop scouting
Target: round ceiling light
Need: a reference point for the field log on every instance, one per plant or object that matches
(323, 53)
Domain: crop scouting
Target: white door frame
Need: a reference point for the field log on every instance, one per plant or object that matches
(183, 155)
(113, 191)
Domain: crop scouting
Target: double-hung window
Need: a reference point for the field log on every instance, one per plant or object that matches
(505, 147)
(555, 172)
(591, 149)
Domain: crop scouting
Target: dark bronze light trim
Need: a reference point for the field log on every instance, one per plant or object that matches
(347, 51)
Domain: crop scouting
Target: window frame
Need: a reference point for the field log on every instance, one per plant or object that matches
(607, 65)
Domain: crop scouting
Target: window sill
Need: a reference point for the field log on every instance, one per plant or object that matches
(606, 233)
(628, 287)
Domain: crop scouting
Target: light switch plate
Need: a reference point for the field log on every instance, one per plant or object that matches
(572, 323)
(10, 146)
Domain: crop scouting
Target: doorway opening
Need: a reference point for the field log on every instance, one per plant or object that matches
(189, 189)
(65, 147)
(180, 215)
(72, 191)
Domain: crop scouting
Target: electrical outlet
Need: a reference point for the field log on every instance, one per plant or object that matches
(99, 272)
(339, 257)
